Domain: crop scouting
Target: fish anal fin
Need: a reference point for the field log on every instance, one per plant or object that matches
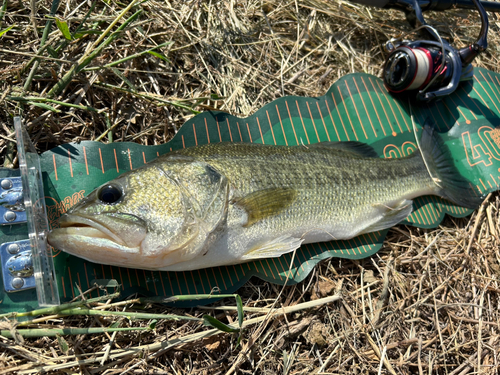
(358, 148)
(393, 213)
(265, 203)
(273, 248)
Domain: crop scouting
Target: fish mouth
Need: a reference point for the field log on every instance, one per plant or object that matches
(84, 226)
(106, 239)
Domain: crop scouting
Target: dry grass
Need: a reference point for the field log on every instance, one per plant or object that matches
(427, 303)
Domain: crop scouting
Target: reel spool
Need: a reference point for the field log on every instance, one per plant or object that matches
(412, 68)
(425, 68)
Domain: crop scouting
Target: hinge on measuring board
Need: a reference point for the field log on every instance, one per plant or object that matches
(12, 210)
(17, 266)
(15, 257)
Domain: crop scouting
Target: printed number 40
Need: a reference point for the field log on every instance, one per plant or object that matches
(479, 155)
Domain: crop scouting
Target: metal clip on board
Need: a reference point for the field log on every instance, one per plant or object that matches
(27, 263)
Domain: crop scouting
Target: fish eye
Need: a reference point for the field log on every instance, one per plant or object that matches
(109, 194)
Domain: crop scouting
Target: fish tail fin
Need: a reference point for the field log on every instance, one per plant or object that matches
(439, 162)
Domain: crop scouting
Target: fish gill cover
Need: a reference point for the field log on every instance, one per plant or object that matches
(356, 108)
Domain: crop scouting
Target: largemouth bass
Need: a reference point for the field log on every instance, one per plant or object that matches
(228, 203)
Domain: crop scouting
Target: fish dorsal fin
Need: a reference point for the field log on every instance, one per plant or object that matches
(273, 248)
(359, 148)
(392, 214)
(264, 203)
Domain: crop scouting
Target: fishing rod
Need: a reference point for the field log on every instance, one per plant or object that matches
(430, 68)
(437, 5)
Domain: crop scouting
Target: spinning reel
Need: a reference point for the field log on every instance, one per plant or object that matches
(430, 68)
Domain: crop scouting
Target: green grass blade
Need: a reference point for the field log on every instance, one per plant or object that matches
(52, 332)
(57, 309)
(2, 10)
(44, 106)
(159, 55)
(81, 34)
(63, 344)
(124, 79)
(128, 315)
(52, 52)
(239, 305)
(5, 30)
(114, 63)
(146, 96)
(188, 297)
(210, 321)
(36, 101)
(63, 28)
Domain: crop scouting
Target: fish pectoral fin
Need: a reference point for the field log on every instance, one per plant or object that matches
(358, 148)
(392, 215)
(273, 248)
(264, 203)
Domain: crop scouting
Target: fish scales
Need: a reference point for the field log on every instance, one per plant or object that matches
(332, 185)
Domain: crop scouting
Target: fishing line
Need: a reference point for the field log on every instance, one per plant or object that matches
(436, 180)
(443, 65)
(320, 230)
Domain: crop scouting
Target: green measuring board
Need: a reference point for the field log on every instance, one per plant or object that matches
(356, 108)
